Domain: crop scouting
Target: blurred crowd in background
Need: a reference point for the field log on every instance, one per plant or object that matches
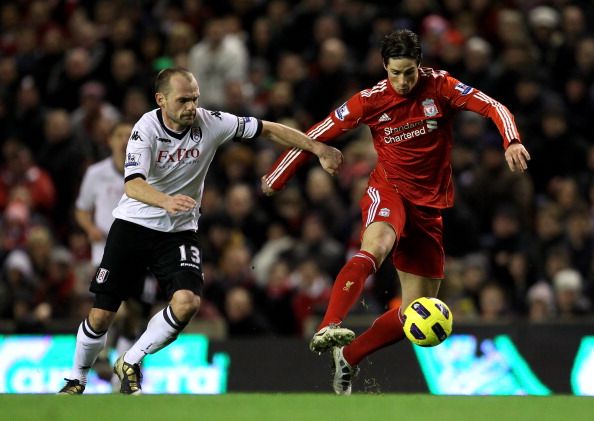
(519, 246)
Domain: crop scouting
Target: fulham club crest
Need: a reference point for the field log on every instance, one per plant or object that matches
(196, 134)
(101, 275)
(429, 108)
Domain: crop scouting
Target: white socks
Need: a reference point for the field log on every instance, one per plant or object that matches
(88, 346)
(161, 330)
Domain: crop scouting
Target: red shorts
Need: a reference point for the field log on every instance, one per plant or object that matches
(419, 229)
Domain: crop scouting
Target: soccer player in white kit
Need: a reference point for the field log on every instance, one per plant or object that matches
(156, 221)
(101, 189)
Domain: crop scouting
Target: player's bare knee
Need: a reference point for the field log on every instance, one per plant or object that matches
(185, 304)
(380, 251)
(379, 239)
(100, 319)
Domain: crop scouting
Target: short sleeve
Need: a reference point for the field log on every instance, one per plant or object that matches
(86, 195)
(248, 128)
(138, 154)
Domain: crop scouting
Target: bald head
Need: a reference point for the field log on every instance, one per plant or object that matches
(162, 83)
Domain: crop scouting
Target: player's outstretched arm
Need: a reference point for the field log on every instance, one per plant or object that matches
(266, 187)
(468, 98)
(139, 189)
(517, 157)
(330, 158)
(285, 167)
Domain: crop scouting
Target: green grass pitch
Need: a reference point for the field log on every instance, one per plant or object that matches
(294, 407)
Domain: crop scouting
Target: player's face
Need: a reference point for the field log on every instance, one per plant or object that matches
(119, 138)
(180, 102)
(403, 74)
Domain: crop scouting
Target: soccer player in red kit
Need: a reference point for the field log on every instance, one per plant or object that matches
(410, 115)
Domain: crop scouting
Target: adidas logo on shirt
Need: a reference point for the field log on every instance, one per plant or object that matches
(384, 117)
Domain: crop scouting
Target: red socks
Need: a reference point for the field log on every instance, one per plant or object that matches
(348, 287)
(385, 330)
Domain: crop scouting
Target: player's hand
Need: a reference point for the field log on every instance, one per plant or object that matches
(179, 203)
(330, 159)
(517, 157)
(95, 234)
(266, 188)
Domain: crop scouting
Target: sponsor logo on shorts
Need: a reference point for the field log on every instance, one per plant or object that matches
(190, 264)
(342, 111)
(102, 275)
(385, 212)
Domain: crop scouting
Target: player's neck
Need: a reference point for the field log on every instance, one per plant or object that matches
(170, 125)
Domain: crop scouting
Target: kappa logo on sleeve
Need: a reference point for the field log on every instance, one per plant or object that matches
(136, 136)
(342, 111)
(132, 160)
(464, 89)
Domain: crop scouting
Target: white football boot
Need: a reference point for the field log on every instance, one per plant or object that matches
(330, 336)
(343, 373)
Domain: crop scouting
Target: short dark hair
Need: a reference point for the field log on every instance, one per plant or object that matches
(402, 43)
(120, 123)
(164, 76)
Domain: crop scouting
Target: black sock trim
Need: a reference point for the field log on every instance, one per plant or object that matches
(172, 320)
(88, 330)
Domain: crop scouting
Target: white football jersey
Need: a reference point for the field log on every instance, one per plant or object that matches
(101, 190)
(177, 163)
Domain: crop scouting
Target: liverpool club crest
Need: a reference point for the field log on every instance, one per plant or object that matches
(429, 108)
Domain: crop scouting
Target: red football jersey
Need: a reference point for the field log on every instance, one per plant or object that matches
(412, 134)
